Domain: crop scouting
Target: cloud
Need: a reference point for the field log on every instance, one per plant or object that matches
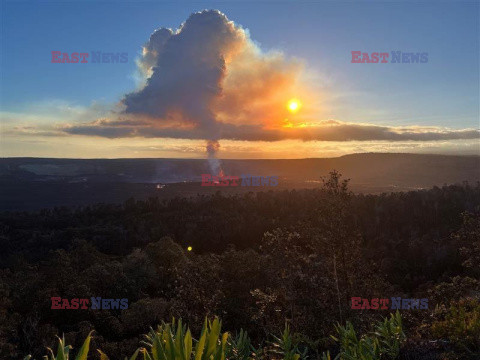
(208, 80)
(330, 130)
(200, 78)
(187, 68)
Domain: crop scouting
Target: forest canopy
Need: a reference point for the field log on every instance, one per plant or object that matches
(257, 260)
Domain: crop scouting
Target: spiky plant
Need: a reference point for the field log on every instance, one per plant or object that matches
(63, 351)
(390, 335)
(383, 343)
(285, 346)
(174, 342)
(169, 341)
(354, 348)
(211, 346)
(240, 347)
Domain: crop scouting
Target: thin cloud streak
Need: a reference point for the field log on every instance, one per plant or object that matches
(332, 130)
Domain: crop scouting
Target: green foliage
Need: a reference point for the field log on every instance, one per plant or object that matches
(240, 347)
(174, 342)
(211, 345)
(291, 250)
(390, 335)
(169, 341)
(326, 356)
(353, 348)
(104, 356)
(383, 343)
(286, 347)
(63, 351)
(460, 325)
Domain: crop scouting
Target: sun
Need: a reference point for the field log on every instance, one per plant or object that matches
(293, 105)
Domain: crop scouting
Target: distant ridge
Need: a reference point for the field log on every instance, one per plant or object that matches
(33, 183)
(428, 170)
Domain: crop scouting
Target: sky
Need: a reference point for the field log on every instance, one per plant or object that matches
(221, 85)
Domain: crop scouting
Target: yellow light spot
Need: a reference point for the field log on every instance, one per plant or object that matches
(293, 105)
(189, 248)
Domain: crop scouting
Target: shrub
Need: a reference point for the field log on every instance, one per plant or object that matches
(460, 325)
(383, 343)
(174, 341)
(286, 347)
(240, 347)
(63, 351)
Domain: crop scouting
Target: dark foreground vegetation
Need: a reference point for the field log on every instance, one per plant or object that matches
(259, 261)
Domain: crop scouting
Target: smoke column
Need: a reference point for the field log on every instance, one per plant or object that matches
(215, 166)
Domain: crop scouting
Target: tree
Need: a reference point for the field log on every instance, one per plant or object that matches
(337, 232)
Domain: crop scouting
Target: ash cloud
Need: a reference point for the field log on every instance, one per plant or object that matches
(208, 80)
(187, 68)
